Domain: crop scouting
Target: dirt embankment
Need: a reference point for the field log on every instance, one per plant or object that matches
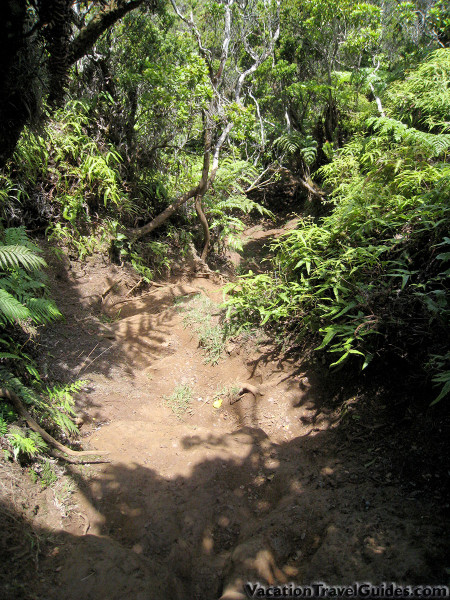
(282, 487)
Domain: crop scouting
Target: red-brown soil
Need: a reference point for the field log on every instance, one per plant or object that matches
(283, 487)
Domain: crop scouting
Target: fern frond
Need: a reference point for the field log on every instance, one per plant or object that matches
(11, 310)
(17, 236)
(16, 256)
(42, 310)
(30, 444)
(434, 145)
(21, 284)
(289, 142)
(28, 395)
(295, 142)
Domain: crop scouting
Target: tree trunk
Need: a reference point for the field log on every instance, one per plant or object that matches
(25, 65)
(205, 226)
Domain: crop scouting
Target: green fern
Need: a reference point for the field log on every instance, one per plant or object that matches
(17, 236)
(434, 145)
(16, 256)
(29, 443)
(228, 197)
(26, 393)
(293, 142)
(22, 285)
(11, 310)
(42, 310)
(422, 99)
(368, 277)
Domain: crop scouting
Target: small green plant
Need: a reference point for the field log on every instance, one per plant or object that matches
(44, 473)
(29, 443)
(227, 392)
(211, 339)
(3, 427)
(81, 244)
(439, 365)
(61, 403)
(104, 318)
(201, 313)
(179, 400)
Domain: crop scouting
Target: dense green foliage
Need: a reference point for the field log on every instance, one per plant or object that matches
(372, 276)
(24, 307)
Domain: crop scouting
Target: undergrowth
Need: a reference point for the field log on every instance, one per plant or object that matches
(371, 278)
(203, 316)
(24, 308)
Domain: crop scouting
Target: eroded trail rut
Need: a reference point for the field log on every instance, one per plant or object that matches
(263, 490)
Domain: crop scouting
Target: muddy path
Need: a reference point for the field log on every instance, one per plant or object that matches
(273, 489)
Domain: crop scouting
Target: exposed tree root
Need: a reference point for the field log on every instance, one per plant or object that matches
(247, 387)
(108, 289)
(14, 399)
(87, 523)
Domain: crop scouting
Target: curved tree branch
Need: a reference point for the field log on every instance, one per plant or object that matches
(16, 402)
(199, 190)
(205, 226)
(99, 24)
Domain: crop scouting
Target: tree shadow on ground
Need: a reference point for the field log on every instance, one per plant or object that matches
(98, 341)
(318, 507)
(305, 510)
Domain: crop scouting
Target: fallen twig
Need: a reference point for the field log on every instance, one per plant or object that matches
(106, 292)
(87, 523)
(161, 285)
(134, 287)
(83, 366)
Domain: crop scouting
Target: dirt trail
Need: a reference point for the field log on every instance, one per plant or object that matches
(266, 489)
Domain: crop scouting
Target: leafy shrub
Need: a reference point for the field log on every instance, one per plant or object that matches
(29, 443)
(372, 276)
(24, 305)
(69, 176)
(227, 199)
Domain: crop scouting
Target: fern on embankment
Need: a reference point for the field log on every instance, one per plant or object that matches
(371, 278)
(65, 178)
(24, 305)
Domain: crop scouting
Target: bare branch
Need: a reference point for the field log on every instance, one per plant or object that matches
(217, 148)
(206, 54)
(256, 184)
(226, 42)
(261, 123)
(258, 59)
(377, 99)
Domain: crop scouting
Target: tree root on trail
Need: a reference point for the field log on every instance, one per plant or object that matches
(133, 298)
(87, 523)
(16, 402)
(108, 289)
(247, 387)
